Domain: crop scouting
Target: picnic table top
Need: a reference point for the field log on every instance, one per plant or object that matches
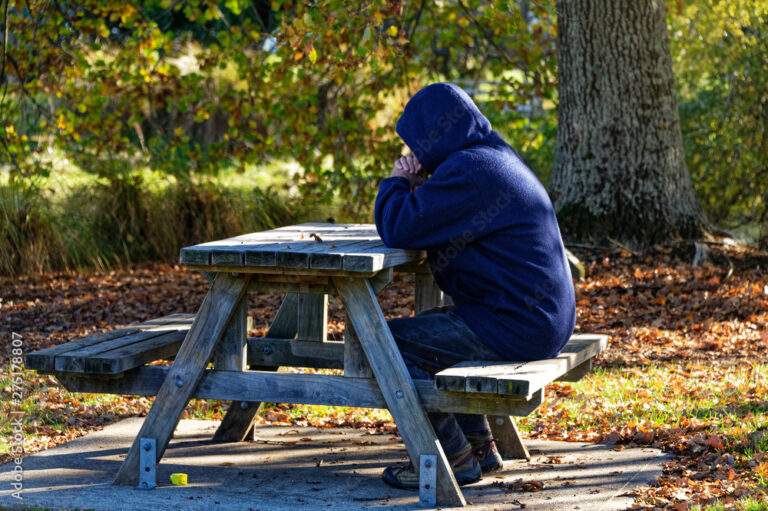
(318, 246)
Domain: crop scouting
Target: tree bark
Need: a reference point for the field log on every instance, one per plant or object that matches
(619, 170)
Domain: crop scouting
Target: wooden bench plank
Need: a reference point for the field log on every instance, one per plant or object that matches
(93, 358)
(45, 360)
(76, 361)
(170, 321)
(160, 347)
(520, 378)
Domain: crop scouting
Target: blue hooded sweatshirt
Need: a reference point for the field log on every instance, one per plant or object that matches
(487, 224)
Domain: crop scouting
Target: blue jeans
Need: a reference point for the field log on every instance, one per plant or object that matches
(435, 340)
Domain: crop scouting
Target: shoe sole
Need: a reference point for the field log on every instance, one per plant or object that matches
(463, 478)
(490, 468)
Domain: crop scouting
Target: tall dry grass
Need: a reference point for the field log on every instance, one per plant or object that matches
(126, 221)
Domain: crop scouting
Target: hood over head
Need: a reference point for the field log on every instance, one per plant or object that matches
(439, 120)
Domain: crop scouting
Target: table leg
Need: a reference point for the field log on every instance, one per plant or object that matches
(237, 424)
(188, 368)
(355, 362)
(428, 295)
(313, 317)
(507, 437)
(395, 383)
(230, 356)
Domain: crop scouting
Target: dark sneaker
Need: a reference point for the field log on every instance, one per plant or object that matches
(465, 468)
(486, 453)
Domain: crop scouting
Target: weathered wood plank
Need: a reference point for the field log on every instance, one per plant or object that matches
(264, 254)
(188, 368)
(355, 362)
(160, 347)
(319, 280)
(290, 287)
(45, 360)
(313, 317)
(535, 375)
(508, 439)
(293, 249)
(395, 383)
(272, 352)
(381, 280)
(189, 255)
(301, 255)
(274, 270)
(237, 424)
(169, 322)
(230, 355)
(76, 360)
(285, 324)
(238, 421)
(343, 247)
(520, 378)
(227, 251)
(379, 258)
(332, 258)
(263, 246)
(427, 293)
(417, 266)
(577, 373)
(313, 389)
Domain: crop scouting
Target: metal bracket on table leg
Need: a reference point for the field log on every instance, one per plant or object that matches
(148, 464)
(428, 480)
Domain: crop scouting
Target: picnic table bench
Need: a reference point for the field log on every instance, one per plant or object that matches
(308, 262)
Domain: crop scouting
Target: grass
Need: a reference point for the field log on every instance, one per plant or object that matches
(664, 396)
(49, 410)
(748, 504)
(702, 413)
(75, 220)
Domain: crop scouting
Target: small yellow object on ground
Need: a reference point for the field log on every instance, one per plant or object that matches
(179, 479)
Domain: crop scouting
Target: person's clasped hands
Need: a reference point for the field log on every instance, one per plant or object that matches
(409, 168)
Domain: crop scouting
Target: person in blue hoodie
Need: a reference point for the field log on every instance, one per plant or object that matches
(493, 245)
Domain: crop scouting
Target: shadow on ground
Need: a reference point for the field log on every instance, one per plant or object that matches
(312, 468)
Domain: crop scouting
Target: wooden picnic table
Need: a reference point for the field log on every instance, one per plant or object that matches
(308, 262)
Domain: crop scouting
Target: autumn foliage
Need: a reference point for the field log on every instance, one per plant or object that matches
(685, 370)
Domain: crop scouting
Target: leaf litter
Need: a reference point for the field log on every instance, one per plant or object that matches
(686, 370)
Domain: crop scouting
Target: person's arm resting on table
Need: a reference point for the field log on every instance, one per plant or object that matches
(440, 209)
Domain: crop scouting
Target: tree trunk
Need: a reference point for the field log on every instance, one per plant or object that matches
(619, 169)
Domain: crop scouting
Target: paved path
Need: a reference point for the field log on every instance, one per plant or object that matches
(312, 469)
